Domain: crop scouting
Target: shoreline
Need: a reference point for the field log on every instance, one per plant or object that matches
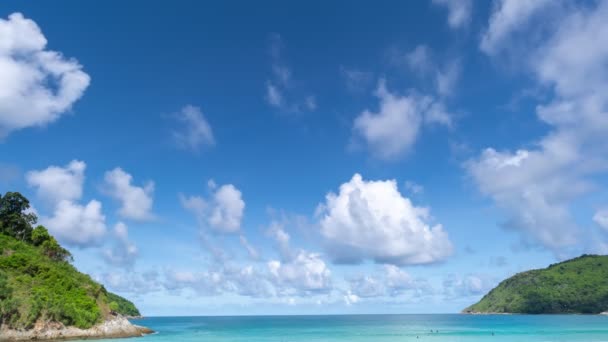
(117, 327)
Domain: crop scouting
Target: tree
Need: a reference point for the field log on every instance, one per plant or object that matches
(114, 307)
(39, 235)
(50, 246)
(15, 220)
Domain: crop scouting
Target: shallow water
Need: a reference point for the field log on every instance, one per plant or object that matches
(379, 328)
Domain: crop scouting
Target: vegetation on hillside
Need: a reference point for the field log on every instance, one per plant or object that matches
(121, 305)
(579, 285)
(37, 281)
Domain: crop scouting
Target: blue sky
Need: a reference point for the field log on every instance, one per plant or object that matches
(284, 158)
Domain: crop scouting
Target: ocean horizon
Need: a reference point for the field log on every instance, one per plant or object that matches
(377, 327)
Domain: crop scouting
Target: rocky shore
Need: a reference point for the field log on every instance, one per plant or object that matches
(116, 327)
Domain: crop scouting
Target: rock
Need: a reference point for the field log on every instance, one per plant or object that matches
(115, 327)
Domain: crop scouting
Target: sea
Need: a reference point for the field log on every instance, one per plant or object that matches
(377, 328)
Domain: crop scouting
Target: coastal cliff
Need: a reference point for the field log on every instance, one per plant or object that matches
(576, 286)
(42, 295)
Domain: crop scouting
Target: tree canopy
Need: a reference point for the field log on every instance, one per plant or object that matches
(16, 219)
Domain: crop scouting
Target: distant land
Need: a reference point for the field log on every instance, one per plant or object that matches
(42, 296)
(576, 286)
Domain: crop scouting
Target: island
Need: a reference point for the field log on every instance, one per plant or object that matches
(576, 286)
(42, 295)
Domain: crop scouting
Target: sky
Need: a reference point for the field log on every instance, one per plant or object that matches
(311, 157)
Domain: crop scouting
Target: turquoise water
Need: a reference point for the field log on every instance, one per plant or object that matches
(378, 328)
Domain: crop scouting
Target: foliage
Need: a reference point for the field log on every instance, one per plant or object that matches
(123, 306)
(575, 286)
(37, 281)
(50, 246)
(15, 220)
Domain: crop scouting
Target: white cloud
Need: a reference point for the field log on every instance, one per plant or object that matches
(508, 16)
(456, 286)
(71, 222)
(393, 130)
(194, 131)
(372, 220)
(55, 183)
(529, 187)
(281, 237)
(223, 211)
(241, 280)
(367, 287)
(306, 273)
(228, 207)
(76, 224)
(459, 11)
(393, 281)
(123, 252)
(136, 202)
(536, 186)
(37, 86)
(601, 218)
(398, 280)
(350, 298)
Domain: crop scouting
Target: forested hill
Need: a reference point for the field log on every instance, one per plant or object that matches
(579, 285)
(37, 281)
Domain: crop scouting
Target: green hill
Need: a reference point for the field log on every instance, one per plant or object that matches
(579, 285)
(37, 281)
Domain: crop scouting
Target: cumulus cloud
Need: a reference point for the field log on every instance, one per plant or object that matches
(536, 186)
(456, 286)
(281, 90)
(123, 252)
(241, 280)
(136, 202)
(71, 222)
(76, 224)
(194, 130)
(459, 11)
(393, 281)
(393, 130)
(37, 85)
(55, 183)
(372, 220)
(223, 212)
(306, 273)
(529, 187)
